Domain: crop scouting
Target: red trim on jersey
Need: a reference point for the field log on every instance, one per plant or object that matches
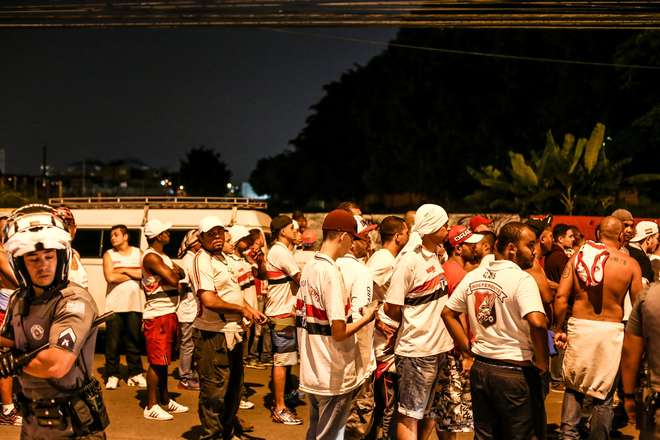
(430, 285)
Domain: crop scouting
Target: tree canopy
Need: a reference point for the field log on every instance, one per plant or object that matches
(203, 173)
(414, 119)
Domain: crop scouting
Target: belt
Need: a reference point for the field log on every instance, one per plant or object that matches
(499, 363)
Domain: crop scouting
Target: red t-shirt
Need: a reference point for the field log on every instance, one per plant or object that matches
(454, 273)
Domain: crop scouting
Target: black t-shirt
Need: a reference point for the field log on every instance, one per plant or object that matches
(643, 261)
(554, 263)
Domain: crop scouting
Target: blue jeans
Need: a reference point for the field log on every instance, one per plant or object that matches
(417, 378)
(601, 415)
(328, 416)
(186, 350)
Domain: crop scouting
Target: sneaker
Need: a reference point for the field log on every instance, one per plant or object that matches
(157, 413)
(246, 404)
(189, 384)
(285, 416)
(11, 418)
(137, 381)
(112, 383)
(255, 364)
(557, 387)
(176, 408)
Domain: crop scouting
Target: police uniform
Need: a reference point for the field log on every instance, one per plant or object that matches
(57, 408)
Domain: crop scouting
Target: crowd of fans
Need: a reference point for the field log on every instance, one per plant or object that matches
(399, 329)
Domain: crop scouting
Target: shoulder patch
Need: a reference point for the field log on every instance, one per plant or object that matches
(75, 308)
(66, 338)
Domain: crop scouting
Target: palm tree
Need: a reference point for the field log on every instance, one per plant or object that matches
(574, 178)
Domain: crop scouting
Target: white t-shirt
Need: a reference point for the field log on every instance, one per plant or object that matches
(213, 274)
(418, 285)
(161, 298)
(381, 265)
(302, 257)
(496, 298)
(188, 308)
(126, 296)
(281, 267)
(359, 283)
(327, 367)
(245, 279)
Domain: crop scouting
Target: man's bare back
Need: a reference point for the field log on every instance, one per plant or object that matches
(603, 302)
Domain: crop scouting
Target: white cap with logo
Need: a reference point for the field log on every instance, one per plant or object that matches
(154, 227)
(643, 230)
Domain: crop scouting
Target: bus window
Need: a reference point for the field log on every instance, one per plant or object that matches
(133, 239)
(176, 237)
(88, 242)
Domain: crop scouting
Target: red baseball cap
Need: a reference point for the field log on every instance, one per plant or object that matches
(460, 234)
(479, 220)
(342, 221)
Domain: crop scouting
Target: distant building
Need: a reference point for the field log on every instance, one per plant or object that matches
(127, 177)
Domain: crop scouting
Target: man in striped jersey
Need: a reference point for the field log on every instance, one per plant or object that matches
(283, 278)
(326, 332)
(415, 298)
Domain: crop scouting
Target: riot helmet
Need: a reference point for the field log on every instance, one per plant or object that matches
(32, 228)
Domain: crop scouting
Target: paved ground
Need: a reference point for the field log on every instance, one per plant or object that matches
(125, 408)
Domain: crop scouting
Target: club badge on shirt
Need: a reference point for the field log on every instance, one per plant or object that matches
(486, 294)
(66, 339)
(484, 308)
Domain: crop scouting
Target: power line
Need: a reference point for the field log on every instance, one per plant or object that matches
(463, 52)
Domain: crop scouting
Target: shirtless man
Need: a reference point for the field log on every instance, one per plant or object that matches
(594, 337)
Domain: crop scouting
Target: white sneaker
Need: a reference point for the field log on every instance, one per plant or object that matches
(246, 404)
(175, 408)
(137, 380)
(157, 413)
(112, 383)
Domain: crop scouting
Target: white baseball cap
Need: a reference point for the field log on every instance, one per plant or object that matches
(644, 229)
(154, 227)
(237, 233)
(210, 222)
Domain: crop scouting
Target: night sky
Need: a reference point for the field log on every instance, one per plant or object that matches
(154, 94)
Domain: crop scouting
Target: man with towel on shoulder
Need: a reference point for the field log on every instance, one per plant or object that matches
(597, 277)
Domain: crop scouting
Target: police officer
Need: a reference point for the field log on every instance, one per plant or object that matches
(643, 336)
(57, 395)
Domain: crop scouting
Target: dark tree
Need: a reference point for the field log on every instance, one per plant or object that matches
(413, 120)
(203, 173)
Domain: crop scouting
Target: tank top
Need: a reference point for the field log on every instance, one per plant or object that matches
(79, 275)
(126, 296)
(160, 299)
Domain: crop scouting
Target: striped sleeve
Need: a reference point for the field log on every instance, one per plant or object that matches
(202, 273)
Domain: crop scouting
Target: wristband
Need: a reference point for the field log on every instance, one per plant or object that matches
(628, 395)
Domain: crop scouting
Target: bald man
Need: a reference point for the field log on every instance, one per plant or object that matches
(597, 278)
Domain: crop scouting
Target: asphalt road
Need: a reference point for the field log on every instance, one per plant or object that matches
(125, 406)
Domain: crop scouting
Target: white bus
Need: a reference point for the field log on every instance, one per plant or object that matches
(96, 215)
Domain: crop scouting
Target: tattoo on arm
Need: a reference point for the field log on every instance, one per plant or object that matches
(567, 271)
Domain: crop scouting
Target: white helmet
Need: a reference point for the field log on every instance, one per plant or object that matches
(33, 228)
